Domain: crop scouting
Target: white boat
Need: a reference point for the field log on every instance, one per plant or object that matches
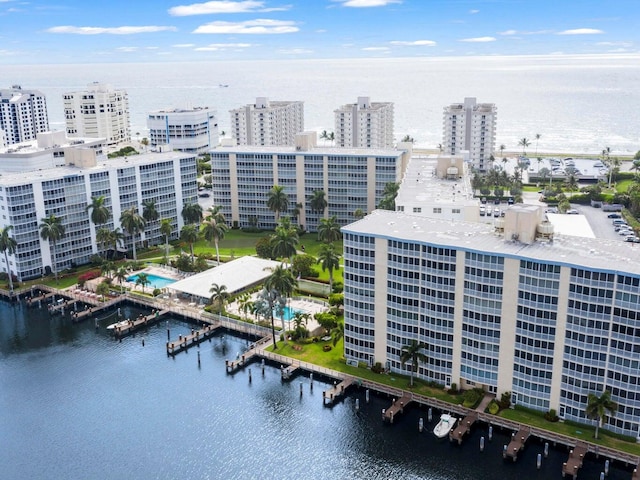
(444, 426)
(118, 324)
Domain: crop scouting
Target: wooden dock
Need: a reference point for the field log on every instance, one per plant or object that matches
(194, 338)
(574, 462)
(636, 473)
(288, 372)
(337, 391)
(36, 300)
(517, 443)
(396, 407)
(463, 428)
(134, 325)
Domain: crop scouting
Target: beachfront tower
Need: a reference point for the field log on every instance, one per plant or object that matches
(23, 114)
(471, 127)
(267, 123)
(364, 124)
(192, 130)
(100, 111)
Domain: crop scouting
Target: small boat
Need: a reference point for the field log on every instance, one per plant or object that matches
(444, 426)
(223, 85)
(118, 324)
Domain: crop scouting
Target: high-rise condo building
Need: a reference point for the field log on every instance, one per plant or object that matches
(100, 111)
(508, 307)
(267, 123)
(168, 178)
(23, 114)
(350, 180)
(193, 130)
(471, 127)
(364, 124)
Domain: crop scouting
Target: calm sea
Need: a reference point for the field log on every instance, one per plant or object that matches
(577, 104)
(75, 404)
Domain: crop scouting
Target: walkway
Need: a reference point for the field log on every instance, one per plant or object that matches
(574, 462)
(464, 427)
(517, 443)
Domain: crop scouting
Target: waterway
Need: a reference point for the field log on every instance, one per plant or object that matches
(76, 404)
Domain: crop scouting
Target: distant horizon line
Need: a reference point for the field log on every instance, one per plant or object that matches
(611, 56)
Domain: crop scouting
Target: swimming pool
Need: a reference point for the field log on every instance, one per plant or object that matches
(155, 281)
(288, 313)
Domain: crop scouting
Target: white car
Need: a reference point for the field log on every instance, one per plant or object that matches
(572, 211)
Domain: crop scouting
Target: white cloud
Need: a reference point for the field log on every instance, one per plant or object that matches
(376, 49)
(217, 47)
(478, 39)
(523, 32)
(109, 30)
(183, 45)
(615, 44)
(473, 12)
(127, 49)
(581, 31)
(225, 6)
(508, 32)
(367, 3)
(258, 26)
(295, 51)
(426, 43)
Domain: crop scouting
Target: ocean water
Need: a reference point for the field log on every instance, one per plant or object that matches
(76, 404)
(578, 104)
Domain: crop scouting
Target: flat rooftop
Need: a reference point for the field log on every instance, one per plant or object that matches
(592, 253)
(318, 150)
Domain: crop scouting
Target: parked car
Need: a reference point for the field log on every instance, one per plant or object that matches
(496, 212)
(572, 211)
(483, 211)
(614, 215)
(632, 239)
(204, 194)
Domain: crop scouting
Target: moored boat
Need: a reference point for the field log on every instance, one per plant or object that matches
(444, 426)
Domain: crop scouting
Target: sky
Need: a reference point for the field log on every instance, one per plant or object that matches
(88, 31)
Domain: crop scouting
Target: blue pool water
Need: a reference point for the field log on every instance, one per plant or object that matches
(288, 313)
(155, 281)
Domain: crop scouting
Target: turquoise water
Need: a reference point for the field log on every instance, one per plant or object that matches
(155, 281)
(288, 313)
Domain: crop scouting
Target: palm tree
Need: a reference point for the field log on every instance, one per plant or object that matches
(219, 296)
(282, 281)
(214, 228)
(524, 143)
(598, 407)
(318, 202)
(413, 354)
(277, 201)
(245, 304)
(324, 135)
(189, 234)
(502, 148)
(297, 211)
(264, 305)
(143, 280)
(165, 229)
(331, 137)
(283, 242)
(52, 230)
(100, 214)
(116, 237)
(408, 139)
(103, 239)
(358, 214)
(133, 223)
(149, 211)
(329, 260)
(338, 333)
(121, 276)
(106, 269)
(329, 230)
(537, 138)
(539, 162)
(192, 213)
(635, 166)
(8, 246)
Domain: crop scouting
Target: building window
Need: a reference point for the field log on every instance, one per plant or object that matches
(417, 210)
(437, 210)
(455, 210)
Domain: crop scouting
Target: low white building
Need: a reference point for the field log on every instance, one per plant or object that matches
(193, 130)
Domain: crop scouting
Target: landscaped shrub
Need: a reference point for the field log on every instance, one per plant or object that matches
(454, 389)
(471, 398)
(377, 368)
(505, 400)
(264, 248)
(551, 415)
(90, 275)
(156, 292)
(493, 408)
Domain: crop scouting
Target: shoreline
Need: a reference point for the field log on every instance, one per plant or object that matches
(512, 153)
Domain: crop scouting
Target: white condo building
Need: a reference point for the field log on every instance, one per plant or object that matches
(267, 122)
(364, 124)
(351, 179)
(100, 111)
(193, 130)
(168, 178)
(508, 307)
(471, 127)
(23, 114)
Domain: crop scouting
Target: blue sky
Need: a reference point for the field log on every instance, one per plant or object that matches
(74, 31)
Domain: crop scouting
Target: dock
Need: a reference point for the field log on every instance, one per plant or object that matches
(194, 338)
(36, 300)
(574, 462)
(636, 473)
(517, 443)
(142, 321)
(247, 357)
(396, 407)
(463, 428)
(288, 372)
(337, 391)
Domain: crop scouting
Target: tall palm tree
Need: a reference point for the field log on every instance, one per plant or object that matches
(52, 230)
(358, 213)
(192, 213)
(297, 211)
(413, 354)
(165, 229)
(277, 201)
(329, 230)
(116, 237)
(149, 211)
(264, 305)
(219, 296)
(282, 281)
(283, 242)
(214, 228)
(502, 148)
(598, 407)
(133, 223)
(329, 260)
(121, 276)
(537, 139)
(143, 280)
(318, 202)
(524, 143)
(338, 333)
(100, 214)
(324, 135)
(103, 239)
(8, 246)
(332, 137)
(189, 234)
